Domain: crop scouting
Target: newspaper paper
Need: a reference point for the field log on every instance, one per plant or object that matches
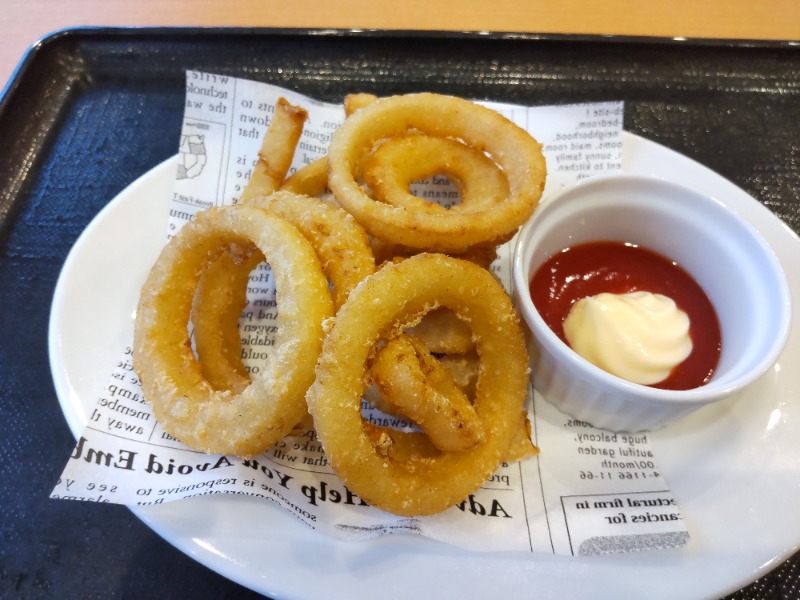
(588, 492)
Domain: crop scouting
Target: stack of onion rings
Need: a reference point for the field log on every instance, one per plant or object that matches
(425, 326)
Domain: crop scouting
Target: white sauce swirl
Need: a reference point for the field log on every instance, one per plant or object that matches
(638, 336)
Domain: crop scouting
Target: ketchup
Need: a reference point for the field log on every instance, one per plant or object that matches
(595, 267)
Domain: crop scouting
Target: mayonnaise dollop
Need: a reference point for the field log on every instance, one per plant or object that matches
(638, 336)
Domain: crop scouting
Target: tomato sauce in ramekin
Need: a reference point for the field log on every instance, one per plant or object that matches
(592, 268)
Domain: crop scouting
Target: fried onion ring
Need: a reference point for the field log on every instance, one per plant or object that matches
(383, 304)
(218, 303)
(339, 242)
(312, 179)
(277, 150)
(355, 101)
(398, 162)
(511, 147)
(463, 368)
(183, 401)
(414, 383)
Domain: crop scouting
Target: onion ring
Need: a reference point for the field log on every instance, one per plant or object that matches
(512, 148)
(353, 102)
(218, 303)
(384, 303)
(412, 381)
(463, 369)
(343, 250)
(277, 150)
(183, 401)
(312, 179)
(398, 162)
(339, 241)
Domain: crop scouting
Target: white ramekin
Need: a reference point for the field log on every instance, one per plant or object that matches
(735, 266)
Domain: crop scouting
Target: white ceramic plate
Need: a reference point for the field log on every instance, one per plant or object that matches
(734, 468)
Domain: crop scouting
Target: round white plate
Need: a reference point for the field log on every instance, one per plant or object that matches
(734, 468)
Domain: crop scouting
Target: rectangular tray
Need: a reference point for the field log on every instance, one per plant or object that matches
(90, 110)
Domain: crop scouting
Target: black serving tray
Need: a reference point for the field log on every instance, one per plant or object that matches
(90, 110)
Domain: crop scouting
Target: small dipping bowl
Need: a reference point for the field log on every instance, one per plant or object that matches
(730, 260)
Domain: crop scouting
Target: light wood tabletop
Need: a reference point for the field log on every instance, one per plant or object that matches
(23, 22)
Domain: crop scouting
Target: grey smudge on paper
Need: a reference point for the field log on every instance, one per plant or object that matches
(613, 544)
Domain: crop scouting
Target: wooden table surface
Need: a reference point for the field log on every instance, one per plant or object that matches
(23, 22)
